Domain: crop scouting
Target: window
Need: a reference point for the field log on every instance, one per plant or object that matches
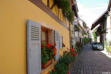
(47, 48)
(44, 36)
(47, 36)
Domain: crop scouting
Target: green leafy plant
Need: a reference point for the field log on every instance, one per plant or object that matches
(108, 49)
(68, 13)
(86, 40)
(45, 56)
(62, 65)
(65, 6)
(48, 52)
(78, 46)
(58, 3)
(51, 72)
(76, 28)
(62, 3)
(45, 59)
(95, 35)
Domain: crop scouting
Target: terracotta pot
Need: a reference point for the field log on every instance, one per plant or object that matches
(47, 64)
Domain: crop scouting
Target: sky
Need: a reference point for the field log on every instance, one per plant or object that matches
(91, 10)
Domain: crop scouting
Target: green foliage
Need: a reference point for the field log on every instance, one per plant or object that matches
(51, 72)
(108, 49)
(78, 49)
(61, 68)
(95, 36)
(62, 3)
(69, 14)
(47, 53)
(62, 65)
(45, 59)
(76, 28)
(78, 46)
(51, 55)
(65, 6)
(66, 59)
(83, 33)
(86, 40)
(45, 56)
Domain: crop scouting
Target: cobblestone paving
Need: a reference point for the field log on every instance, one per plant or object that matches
(91, 62)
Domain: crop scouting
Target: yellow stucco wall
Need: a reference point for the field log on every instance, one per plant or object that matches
(57, 11)
(13, 16)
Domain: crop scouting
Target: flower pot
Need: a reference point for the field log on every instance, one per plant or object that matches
(47, 64)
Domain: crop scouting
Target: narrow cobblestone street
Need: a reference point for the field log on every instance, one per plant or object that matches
(91, 62)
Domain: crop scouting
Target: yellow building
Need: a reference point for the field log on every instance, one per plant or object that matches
(14, 32)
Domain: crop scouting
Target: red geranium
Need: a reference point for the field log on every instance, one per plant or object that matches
(54, 44)
(42, 46)
(54, 49)
(55, 52)
(74, 54)
(67, 72)
(73, 50)
(49, 45)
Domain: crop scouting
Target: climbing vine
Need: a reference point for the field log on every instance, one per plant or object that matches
(65, 6)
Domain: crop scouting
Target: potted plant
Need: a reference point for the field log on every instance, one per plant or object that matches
(48, 54)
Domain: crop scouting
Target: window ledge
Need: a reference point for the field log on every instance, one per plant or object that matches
(49, 68)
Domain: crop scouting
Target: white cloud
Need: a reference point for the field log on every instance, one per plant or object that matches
(89, 14)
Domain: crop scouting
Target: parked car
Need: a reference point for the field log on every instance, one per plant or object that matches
(97, 46)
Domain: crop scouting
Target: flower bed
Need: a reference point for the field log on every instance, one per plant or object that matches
(48, 53)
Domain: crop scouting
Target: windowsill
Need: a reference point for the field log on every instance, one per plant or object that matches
(49, 68)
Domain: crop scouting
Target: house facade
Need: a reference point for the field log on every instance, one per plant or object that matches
(24, 26)
(75, 11)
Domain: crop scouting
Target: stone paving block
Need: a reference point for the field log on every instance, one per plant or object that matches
(91, 62)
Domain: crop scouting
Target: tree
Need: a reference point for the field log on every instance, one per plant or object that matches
(95, 36)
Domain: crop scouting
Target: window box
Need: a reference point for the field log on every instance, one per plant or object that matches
(47, 64)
